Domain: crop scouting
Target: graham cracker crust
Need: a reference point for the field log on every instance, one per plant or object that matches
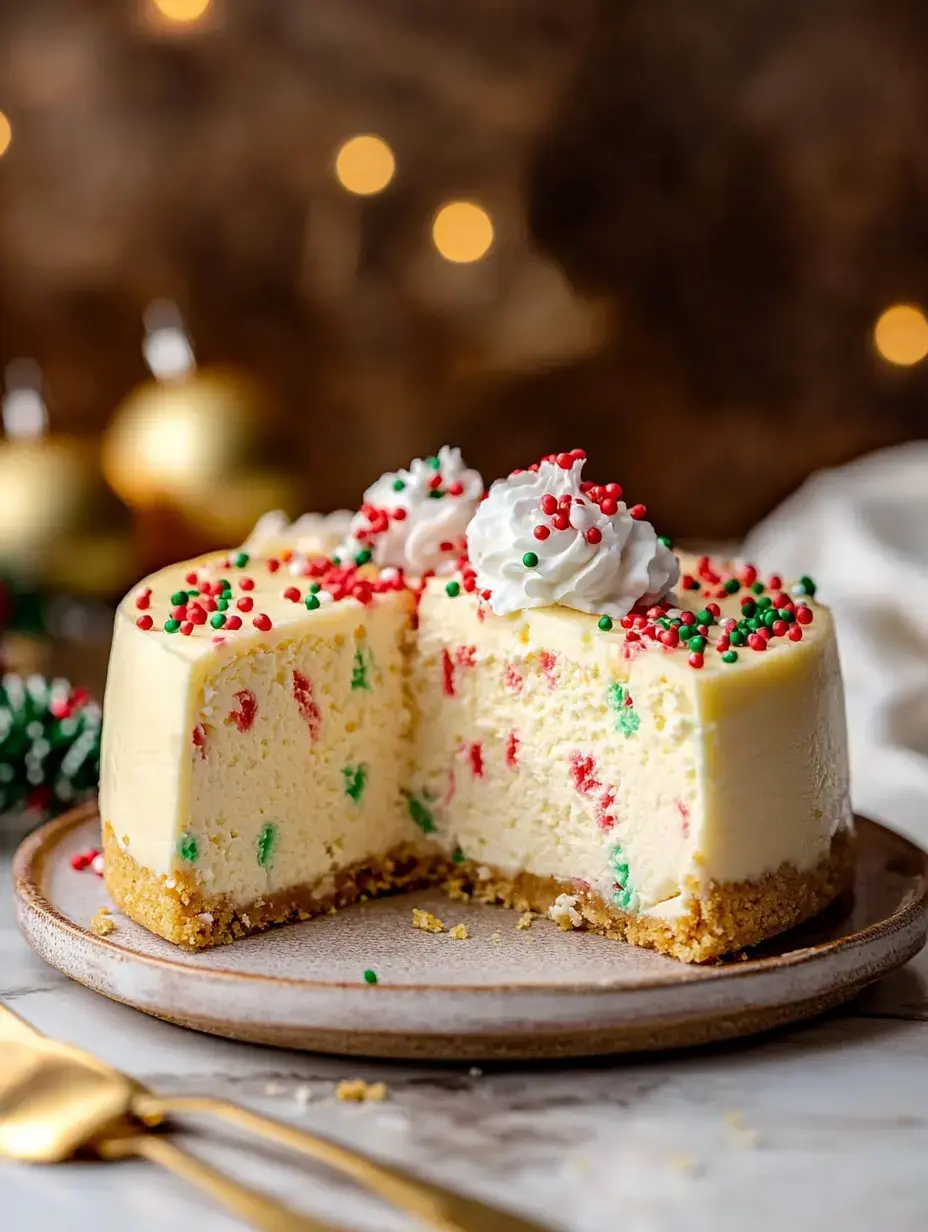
(182, 913)
(722, 918)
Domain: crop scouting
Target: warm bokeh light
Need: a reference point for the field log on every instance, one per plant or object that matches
(462, 232)
(365, 165)
(901, 334)
(6, 134)
(182, 11)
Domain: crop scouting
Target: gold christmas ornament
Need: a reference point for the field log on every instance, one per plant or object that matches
(177, 438)
(59, 524)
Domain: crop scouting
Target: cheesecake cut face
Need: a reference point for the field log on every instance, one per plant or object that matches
(286, 759)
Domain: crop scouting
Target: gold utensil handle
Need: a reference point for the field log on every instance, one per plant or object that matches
(255, 1208)
(443, 1209)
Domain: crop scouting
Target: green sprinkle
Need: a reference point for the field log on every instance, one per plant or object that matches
(758, 588)
(355, 781)
(436, 494)
(764, 603)
(697, 643)
(192, 593)
(370, 977)
(748, 609)
(808, 587)
(217, 620)
(312, 602)
(336, 560)
(737, 638)
(453, 589)
(705, 617)
(730, 656)
(732, 586)
(434, 463)
(171, 626)
(187, 848)
(222, 605)
(530, 560)
(458, 856)
(178, 597)
(665, 540)
(686, 632)
(265, 844)
(785, 614)
(398, 485)
(315, 587)
(605, 623)
(627, 718)
(363, 557)
(421, 815)
(240, 560)
(362, 665)
(225, 584)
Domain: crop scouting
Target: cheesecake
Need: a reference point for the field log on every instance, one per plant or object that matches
(525, 694)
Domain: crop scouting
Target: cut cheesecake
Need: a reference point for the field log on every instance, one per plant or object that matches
(269, 754)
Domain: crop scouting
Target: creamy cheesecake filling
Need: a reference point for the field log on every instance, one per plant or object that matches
(300, 734)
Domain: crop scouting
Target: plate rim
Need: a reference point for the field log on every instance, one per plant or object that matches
(35, 848)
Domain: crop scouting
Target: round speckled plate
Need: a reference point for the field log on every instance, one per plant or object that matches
(502, 993)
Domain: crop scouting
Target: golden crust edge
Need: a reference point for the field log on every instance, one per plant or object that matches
(722, 918)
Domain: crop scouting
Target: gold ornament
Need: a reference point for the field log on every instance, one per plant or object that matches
(59, 524)
(178, 437)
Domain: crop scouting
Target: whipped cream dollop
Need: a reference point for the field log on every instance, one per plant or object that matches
(311, 533)
(416, 519)
(544, 537)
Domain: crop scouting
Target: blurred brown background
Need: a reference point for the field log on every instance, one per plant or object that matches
(699, 213)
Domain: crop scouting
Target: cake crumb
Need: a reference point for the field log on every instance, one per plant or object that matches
(357, 1091)
(459, 932)
(525, 920)
(563, 911)
(425, 921)
(102, 923)
(457, 889)
(741, 1133)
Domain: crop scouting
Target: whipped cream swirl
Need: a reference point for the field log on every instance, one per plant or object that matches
(591, 554)
(416, 519)
(311, 533)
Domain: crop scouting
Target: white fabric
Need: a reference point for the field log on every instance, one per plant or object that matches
(861, 532)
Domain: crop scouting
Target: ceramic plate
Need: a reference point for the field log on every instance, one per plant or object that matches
(502, 993)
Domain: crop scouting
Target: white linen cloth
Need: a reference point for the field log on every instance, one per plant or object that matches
(861, 532)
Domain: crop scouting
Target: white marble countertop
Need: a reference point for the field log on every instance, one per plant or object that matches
(820, 1127)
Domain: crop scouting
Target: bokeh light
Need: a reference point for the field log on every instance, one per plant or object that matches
(6, 134)
(901, 334)
(365, 165)
(462, 232)
(183, 12)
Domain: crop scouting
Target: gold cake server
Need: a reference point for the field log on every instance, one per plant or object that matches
(56, 1099)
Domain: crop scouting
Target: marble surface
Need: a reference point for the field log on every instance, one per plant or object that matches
(818, 1127)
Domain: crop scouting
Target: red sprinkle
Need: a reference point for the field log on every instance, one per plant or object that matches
(804, 614)
(244, 717)
(548, 504)
(476, 759)
(245, 604)
(594, 535)
(795, 633)
(456, 489)
(262, 622)
(196, 614)
(541, 532)
(696, 659)
(191, 578)
(273, 566)
(779, 628)
(143, 600)
(199, 740)
(303, 696)
(756, 642)
(548, 662)
(512, 678)
(512, 750)
(447, 674)
(638, 512)
(187, 628)
(233, 622)
(560, 521)
(145, 622)
(246, 583)
(292, 594)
